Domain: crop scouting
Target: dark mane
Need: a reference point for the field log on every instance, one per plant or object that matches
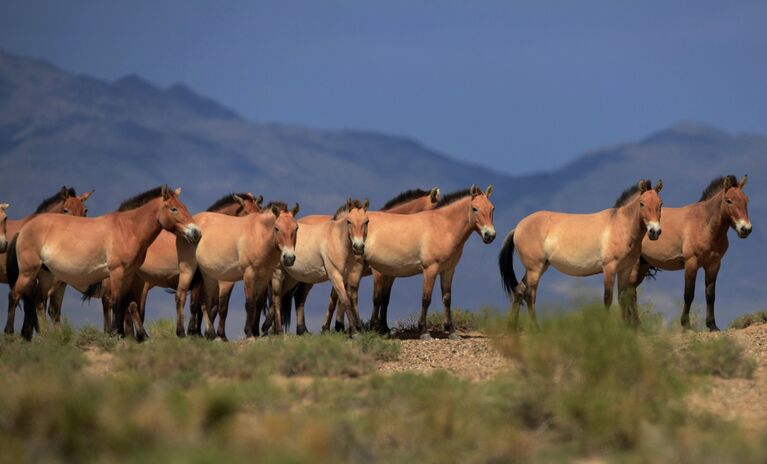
(281, 205)
(716, 186)
(140, 199)
(48, 202)
(453, 197)
(405, 196)
(225, 201)
(345, 208)
(626, 196)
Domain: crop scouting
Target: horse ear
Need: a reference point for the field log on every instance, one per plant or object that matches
(489, 190)
(659, 186)
(64, 192)
(251, 196)
(165, 193)
(644, 185)
(728, 182)
(275, 211)
(349, 204)
(366, 204)
(295, 209)
(743, 181)
(239, 200)
(86, 195)
(259, 200)
(434, 195)
(177, 192)
(473, 190)
(4, 206)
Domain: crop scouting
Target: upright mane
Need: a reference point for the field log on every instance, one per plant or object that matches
(346, 207)
(405, 196)
(225, 201)
(716, 186)
(452, 197)
(140, 199)
(627, 195)
(281, 205)
(53, 199)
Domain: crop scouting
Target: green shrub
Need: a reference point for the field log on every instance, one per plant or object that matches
(718, 356)
(758, 317)
(377, 347)
(90, 337)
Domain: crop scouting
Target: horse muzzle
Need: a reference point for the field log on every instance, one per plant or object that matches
(358, 247)
(288, 258)
(744, 230)
(192, 233)
(488, 235)
(653, 230)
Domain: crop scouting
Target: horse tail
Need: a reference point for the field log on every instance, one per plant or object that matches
(12, 263)
(196, 280)
(286, 307)
(92, 291)
(652, 271)
(506, 265)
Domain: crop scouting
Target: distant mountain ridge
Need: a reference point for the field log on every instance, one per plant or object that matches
(129, 135)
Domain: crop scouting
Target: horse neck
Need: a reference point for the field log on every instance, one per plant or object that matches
(457, 215)
(141, 222)
(714, 218)
(410, 207)
(631, 215)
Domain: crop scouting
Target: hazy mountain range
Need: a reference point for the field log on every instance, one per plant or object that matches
(126, 136)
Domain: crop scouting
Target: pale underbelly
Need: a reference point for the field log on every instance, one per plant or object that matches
(308, 274)
(577, 267)
(79, 277)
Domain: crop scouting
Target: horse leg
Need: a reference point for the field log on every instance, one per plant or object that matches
(196, 300)
(378, 286)
(187, 266)
(340, 326)
(261, 306)
(446, 284)
(609, 271)
(211, 301)
(383, 322)
(533, 279)
(45, 285)
(627, 297)
(24, 284)
(429, 277)
(517, 297)
(55, 302)
(144, 293)
(224, 292)
(690, 273)
(302, 292)
(331, 309)
(337, 279)
(711, 274)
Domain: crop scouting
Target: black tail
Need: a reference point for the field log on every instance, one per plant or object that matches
(652, 271)
(92, 291)
(506, 265)
(286, 308)
(196, 279)
(12, 263)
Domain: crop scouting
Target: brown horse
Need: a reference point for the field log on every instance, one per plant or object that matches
(326, 251)
(607, 242)
(245, 248)
(84, 251)
(695, 236)
(160, 267)
(65, 201)
(408, 202)
(429, 243)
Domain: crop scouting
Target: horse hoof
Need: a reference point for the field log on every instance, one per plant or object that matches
(454, 336)
(713, 328)
(340, 327)
(141, 336)
(426, 336)
(180, 333)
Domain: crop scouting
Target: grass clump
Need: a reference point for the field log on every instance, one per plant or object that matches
(720, 356)
(90, 337)
(377, 347)
(758, 317)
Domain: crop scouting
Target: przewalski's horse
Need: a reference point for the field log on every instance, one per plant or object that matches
(429, 243)
(3, 227)
(326, 251)
(607, 242)
(160, 267)
(245, 248)
(65, 201)
(407, 202)
(84, 251)
(695, 236)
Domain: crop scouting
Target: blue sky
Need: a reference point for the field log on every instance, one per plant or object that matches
(519, 86)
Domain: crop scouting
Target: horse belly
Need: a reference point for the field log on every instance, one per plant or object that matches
(73, 266)
(575, 260)
(311, 273)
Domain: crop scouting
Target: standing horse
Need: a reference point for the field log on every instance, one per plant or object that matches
(84, 251)
(407, 202)
(160, 267)
(429, 243)
(65, 201)
(607, 242)
(247, 248)
(326, 251)
(695, 236)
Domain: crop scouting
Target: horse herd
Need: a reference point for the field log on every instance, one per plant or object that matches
(152, 240)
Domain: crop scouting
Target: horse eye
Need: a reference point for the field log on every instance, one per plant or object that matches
(729, 202)
(348, 222)
(66, 211)
(474, 209)
(174, 210)
(276, 229)
(641, 204)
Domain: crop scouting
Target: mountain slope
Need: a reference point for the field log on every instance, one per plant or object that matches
(126, 136)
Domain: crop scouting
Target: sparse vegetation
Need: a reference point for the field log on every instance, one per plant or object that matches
(758, 317)
(583, 386)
